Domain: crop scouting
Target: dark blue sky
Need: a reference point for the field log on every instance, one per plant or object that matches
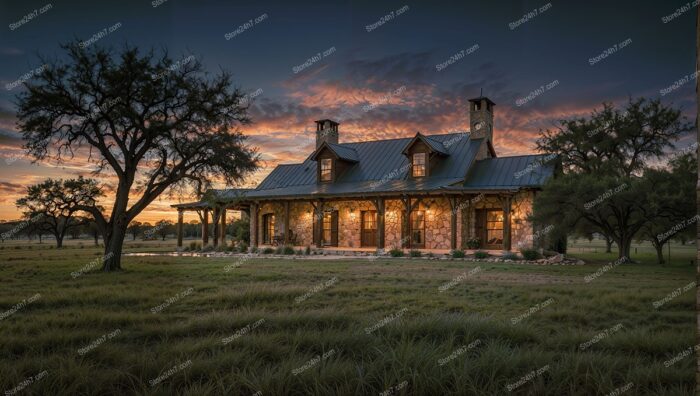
(392, 67)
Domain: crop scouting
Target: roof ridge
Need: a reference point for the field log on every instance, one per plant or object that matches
(519, 155)
(401, 138)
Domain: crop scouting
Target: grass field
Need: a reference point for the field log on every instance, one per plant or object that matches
(349, 327)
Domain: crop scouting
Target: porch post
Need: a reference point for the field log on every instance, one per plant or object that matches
(180, 215)
(506, 222)
(205, 227)
(223, 226)
(454, 201)
(215, 221)
(380, 204)
(254, 225)
(406, 241)
(286, 223)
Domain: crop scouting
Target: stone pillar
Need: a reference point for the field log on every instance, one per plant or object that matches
(406, 239)
(223, 226)
(215, 220)
(287, 226)
(253, 225)
(506, 222)
(205, 227)
(180, 215)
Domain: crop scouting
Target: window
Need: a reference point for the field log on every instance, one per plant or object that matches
(418, 164)
(494, 228)
(326, 169)
(327, 228)
(268, 228)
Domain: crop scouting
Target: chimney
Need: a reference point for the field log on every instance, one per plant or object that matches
(481, 118)
(326, 131)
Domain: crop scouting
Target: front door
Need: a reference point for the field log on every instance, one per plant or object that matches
(418, 229)
(368, 222)
(268, 228)
(329, 232)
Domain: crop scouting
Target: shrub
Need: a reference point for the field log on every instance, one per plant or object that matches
(207, 248)
(299, 252)
(415, 253)
(396, 252)
(287, 250)
(458, 254)
(193, 246)
(481, 254)
(474, 243)
(510, 256)
(243, 247)
(308, 250)
(254, 249)
(530, 254)
(268, 250)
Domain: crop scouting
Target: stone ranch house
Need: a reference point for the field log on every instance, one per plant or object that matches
(432, 192)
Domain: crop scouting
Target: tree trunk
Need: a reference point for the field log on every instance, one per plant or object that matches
(659, 252)
(114, 243)
(623, 248)
(96, 235)
(59, 241)
(608, 244)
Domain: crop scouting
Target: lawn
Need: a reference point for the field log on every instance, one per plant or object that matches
(194, 326)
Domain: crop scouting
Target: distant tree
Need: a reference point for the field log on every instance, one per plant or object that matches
(152, 123)
(669, 210)
(134, 229)
(57, 202)
(241, 230)
(603, 159)
(164, 228)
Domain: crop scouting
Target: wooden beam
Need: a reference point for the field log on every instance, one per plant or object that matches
(380, 206)
(286, 223)
(215, 222)
(180, 216)
(506, 201)
(223, 226)
(254, 225)
(205, 227)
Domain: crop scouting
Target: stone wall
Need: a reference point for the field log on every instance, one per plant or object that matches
(522, 229)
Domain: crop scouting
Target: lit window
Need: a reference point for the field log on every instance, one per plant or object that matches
(418, 164)
(326, 169)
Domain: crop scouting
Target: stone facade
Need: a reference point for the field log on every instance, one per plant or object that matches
(437, 220)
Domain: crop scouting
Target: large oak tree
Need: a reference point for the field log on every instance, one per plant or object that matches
(151, 122)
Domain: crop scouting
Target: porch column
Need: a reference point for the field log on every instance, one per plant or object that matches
(454, 207)
(254, 225)
(286, 223)
(223, 226)
(180, 215)
(215, 220)
(506, 222)
(406, 239)
(381, 210)
(205, 227)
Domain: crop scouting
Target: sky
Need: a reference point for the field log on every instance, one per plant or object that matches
(382, 69)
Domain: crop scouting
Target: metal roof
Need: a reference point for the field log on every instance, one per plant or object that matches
(381, 168)
(511, 172)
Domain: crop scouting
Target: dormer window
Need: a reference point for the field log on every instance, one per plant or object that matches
(326, 169)
(418, 164)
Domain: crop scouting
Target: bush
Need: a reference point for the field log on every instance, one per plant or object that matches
(480, 254)
(457, 254)
(530, 254)
(396, 252)
(474, 243)
(415, 253)
(207, 248)
(254, 249)
(510, 256)
(243, 247)
(268, 250)
(193, 246)
(287, 250)
(299, 252)
(308, 250)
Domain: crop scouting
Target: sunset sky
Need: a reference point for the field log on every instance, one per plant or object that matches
(380, 80)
